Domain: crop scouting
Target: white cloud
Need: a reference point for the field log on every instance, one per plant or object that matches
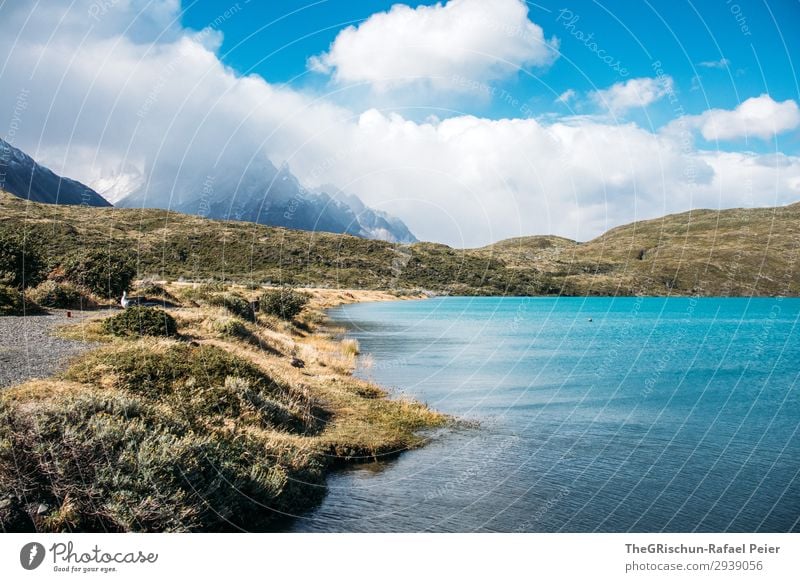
(117, 112)
(468, 180)
(473, 39)
(633, 93)
(566, 96)
(761, 117)
(723, 63)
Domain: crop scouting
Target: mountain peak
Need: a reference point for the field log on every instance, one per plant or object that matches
(21, 176)
(263, 193)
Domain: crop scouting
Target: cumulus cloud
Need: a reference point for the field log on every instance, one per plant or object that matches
(633, 93)
(463, 38)
(159, 109)
(761, 117)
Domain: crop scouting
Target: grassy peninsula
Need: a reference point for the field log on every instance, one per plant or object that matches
(232, 424)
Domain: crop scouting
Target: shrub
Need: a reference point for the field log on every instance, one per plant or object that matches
(284, 303)
(155, 290)
(60, 296)
(21, 265)
(230, 327)
(141, 321)
(155, 371)
(214, 286)
(11, 301)
(202, 292)
(99, 460)
(101, 272)
(198, 383)
(236, 304)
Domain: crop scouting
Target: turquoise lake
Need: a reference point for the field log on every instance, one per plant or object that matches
(596, 414)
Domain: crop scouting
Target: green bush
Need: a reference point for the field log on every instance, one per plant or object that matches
(231, 327)
(284, 303)
(60, 296)
(236, 304)
(21, 265)
(104, 273)
(12, 301)
(199, 382)
(154, 290)
(141, 321)
(157, 372)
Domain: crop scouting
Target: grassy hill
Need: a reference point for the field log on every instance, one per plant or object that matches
(729, 252)
(705, 252)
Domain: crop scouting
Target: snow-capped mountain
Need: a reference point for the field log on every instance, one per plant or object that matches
(262, 193)
(22, 176)
(375, 224)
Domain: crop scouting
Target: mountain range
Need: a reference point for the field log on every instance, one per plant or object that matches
(262, 193)
(258, 192)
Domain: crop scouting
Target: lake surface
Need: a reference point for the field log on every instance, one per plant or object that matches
(657, 415)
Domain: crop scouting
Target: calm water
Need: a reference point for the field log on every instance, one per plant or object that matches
(657, 415)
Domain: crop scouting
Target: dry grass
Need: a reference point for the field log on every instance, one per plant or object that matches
(214, 430)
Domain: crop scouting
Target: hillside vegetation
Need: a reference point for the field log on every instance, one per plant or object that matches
(704, 252)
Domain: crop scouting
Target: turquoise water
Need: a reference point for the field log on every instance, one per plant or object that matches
(657, 415)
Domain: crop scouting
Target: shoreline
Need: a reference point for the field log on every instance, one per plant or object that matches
(319, 418)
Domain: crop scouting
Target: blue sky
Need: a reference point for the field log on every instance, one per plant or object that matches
(749, 40)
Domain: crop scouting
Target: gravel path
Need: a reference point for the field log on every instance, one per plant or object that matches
(29, 350)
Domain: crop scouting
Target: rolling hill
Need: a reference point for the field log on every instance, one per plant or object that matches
(738, 252)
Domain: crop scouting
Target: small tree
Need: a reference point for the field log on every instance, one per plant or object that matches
(102, 272)
(284, 303)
